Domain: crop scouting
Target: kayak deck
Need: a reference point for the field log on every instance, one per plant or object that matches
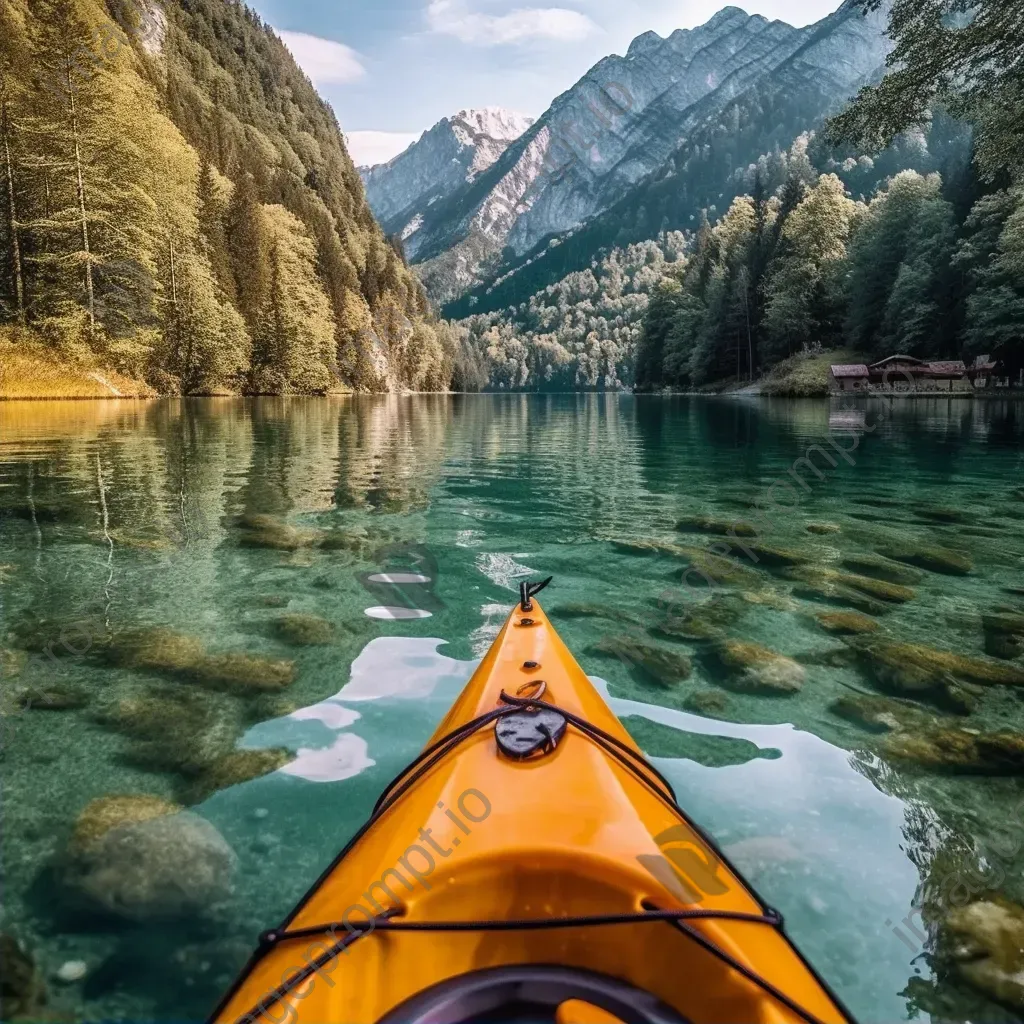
(584, 828)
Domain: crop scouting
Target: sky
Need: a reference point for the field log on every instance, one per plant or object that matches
(393, 68)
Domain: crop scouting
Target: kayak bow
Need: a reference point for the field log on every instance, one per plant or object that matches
(530, 865)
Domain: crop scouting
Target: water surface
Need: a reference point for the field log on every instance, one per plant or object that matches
(127, 517)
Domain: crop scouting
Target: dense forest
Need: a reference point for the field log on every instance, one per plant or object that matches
(932, 265)
(578, 334)
(178, 205)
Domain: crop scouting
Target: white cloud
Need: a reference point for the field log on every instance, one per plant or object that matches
(451, 17)
(324, 60)
(369, 148)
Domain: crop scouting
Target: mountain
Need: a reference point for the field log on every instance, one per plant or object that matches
(625, 125)
(446, 158)
(179, 205)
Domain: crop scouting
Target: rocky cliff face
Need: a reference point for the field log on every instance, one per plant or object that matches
(445, 159)
(620, 125)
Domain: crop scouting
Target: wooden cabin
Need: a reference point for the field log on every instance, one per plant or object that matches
(848, 377)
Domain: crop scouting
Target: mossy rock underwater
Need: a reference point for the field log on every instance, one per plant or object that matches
(303, 629)
(52, 697)
(234, 768)
(846, 623)
(879, 714)
(157, 649)
(146, 860)
(710, 703)
(984, 943)
(880, 590)
(883, 569)
(914, 670)
(664, 666)
(934, 559)
(265, 531)
(721, 527)
(750, 668)
(959, 750)
(702, 622)
(582, 610)
(1004, 633)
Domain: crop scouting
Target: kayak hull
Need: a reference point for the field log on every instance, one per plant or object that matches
(476, 836)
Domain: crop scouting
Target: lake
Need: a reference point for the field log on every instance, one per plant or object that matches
(233, 542)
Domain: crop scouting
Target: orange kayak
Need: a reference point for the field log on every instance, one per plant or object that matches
(530, 865)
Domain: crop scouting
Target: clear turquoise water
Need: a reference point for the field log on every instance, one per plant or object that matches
(127, 514)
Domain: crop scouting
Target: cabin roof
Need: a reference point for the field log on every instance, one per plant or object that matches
(849, 370)
(949, 368)
(913, 360)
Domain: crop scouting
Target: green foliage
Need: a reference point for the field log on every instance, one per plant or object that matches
(578, 334)
(965, 54)
(181, 200)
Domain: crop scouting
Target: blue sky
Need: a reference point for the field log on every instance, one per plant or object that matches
(393, 68)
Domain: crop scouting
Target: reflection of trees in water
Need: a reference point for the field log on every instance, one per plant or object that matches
(555, 457)
(967, 844)
(389, 450)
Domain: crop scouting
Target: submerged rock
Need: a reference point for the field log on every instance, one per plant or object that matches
(271, 601)
(52, 697)
(263, 531)
(846, 623)
(940, 677)
(154, 648)
(769, 598)
(582, 610)
(22, 989)
(245, 673)
(883, 569)
(661, 664)
(823, 529)
(829, 592)
(303, 629)
(705, 621)
(959, 750)
(108, 812)
(11, 662)
(775, 555)
(646, 546)
(751, 668)
(1004, 633)
(985, 943)
(821, 576)
(708, 569)
(830, 657)
(722, 527)
(878, 714)
(236, 767)
(934, 559)
(145, 860)
(707, 702)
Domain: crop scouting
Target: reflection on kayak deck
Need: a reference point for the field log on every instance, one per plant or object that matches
(812, 834)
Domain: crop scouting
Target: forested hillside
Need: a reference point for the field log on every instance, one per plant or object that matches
(932, 265)
(578, 334)
(178, 205)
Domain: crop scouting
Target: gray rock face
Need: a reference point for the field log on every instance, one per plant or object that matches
(618, 126)
(173, 866)
(446, 158)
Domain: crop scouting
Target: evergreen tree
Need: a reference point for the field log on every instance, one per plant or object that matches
(249, 249)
